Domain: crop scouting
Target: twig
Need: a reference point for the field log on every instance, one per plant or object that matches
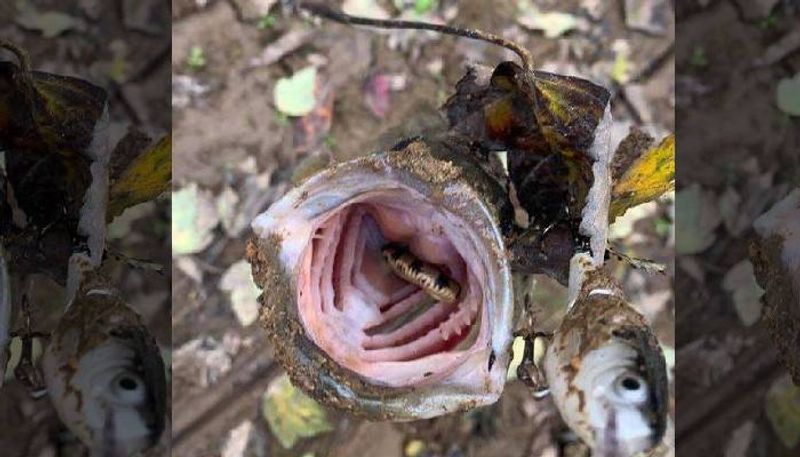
(136, 263)
(24, 64)
(22, 56)
(327, 12)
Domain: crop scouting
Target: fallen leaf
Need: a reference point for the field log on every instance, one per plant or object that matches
(740, 282)
(366, 8)
(414, 448)
(423, 6)
(648, 177)
(227, 204)
(623, 226)
(144, 178)
(50, 23)
(237, 281)
(621, 71)
(292, 415)
(194, 216)
(518, 349)
(553, 24)
(251, 10)
(729, 203)
(788, 95)
(697, 217)
(651, 16)
(377, 95)
(740, 440)
(201, 362)
(294, 96)
(244, 441)
(783, 410)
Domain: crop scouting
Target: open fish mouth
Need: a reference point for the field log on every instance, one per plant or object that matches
(371, 320)
(424, 345)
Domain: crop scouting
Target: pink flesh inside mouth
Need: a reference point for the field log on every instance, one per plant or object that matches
(371, 321)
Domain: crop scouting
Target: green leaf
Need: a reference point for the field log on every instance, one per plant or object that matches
(697, 216)
(238, 283)
(621, 70)
(553, 24)
(423, 6)
(788, 95)
(741, 283)
(292, 415)
(294, 96)
(50, 23)
(194, 216)
(197, 58)
(699, 57)
(783, 411)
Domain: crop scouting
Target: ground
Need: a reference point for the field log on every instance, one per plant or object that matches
(738, 155)
(235, 153)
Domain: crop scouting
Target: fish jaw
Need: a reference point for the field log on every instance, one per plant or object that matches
(351, 332)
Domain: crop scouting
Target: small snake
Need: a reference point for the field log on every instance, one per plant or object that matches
(423, 275)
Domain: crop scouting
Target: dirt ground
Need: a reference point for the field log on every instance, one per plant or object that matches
(237, 152)
(123, 47)
(743, 153)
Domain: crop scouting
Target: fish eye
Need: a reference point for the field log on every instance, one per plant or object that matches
(631, 388)
(128, 388)
(128, 383)
(630, 384)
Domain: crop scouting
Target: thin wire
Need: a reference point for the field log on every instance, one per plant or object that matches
(327, 12)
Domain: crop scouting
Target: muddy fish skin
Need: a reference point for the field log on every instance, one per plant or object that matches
(606, 370)
(104, 373)
(351, 332)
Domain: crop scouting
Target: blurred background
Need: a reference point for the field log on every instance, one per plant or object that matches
(122, 46)
(257, 94)
(738, 154)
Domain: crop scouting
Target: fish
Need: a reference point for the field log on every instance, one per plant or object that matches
(348, 329)
(605, 369)
(425, 276)
(775, 253)
(103, 370)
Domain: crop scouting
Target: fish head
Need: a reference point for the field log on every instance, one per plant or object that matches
(607, 372)
(353, 332)
(105, 376)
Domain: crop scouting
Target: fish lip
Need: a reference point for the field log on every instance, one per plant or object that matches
(274, 257)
